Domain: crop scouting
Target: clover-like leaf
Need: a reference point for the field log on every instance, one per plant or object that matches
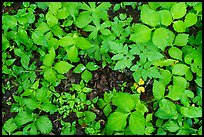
(72, 53)
(175, 53)
(178, 10)
(141, 34)
(63, 67)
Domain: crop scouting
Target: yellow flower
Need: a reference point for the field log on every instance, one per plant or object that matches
(141, 82)
(135, 85)
(140, 89)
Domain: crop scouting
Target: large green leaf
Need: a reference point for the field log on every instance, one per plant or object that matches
(141, 33)
(22, 118)
(49, 107)
(51, 19)
(181, 39)
(149, 16)
(175, 92)
(171, 126)
(82, 43)
(83, 19)
(158, 90)
(175, 53)
(179, 69)
(63, 13)
(124, 101)
(166, 18)
(178, 10)
(160, 38)
(31, 103)
(63, 67)
(89, 116)
(137, 123)
(66, 41)
(44, 124)
(50, 75)
(54, 7)
(191, 112)
(180, 81)
(117, 121)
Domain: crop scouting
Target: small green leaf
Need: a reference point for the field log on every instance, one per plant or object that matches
(50, 75)
(92, 66)
(86, 76)
(141, 34)
(175, 92)
(25, 61)
(22, 118)
(158, 90)
(62, 13)
(169, 108)
(117, 57)
(79, 68)
(83, 19)
(107, 109)
(44, 124)
(180, 81)
(178, 10)
(166, 18)
(63, 67)
(179, 26)
(82, 43)
(89, 116)
(31, 103)
(179, 69)
(181, 39)
(175, 53)
(190, 19)
(54, 7)
(160, 38)
(166, 77)
(51, 19)
(49, 107)
(171, 126)
(9, 126)
(48, 60)
(117, 121)
(72, 53)
(66, 41)
(191, 112)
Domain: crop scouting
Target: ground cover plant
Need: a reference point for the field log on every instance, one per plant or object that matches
(102, 68)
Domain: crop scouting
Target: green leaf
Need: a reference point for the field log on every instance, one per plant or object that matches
(79, 68)
(50, 75)
(124, 101)
(171, 126)
(63, 13)
(189, 75)
(48, 60)
(39, 38)
(166, 18)
(160, 38)
(31, 103)
(190, 19)
(63, 67)
(180, 81)
(72, 53)
(66, 41)
(82, 43)
(149, 16)
(166, 77)
(117, 121)
(83, 19)
(179, 26)
(9, 126)
(179, 69)
(115, 47)
(141, 34)
(191, 112)
(175, 53)
(41, 94)
(181, 39)
(199, 81)
(89, 116)
(22, 118)
(86, 76)
(92, 66)
(51, 19)
(176, 92)
(117, 57)
(49, 107)
(137, 123)
(44, 124)
(154, 72)
(178, 10)
(107, 109)
(54, 7)
(43, 27)
(158, 90)
(25, 61)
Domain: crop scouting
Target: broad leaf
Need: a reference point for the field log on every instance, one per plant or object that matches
(22, 118)
(63, 67)
(50, 75)
(83, 19)
(92, 66)
(25, 61)
(86, 76)
(51, 19)
(166, 18)
(89, 116)
(181, 39)
(82, 43)
(49, 107)
(79, 68)
(191, 112)
(44, 124)
(158, 90)
(171, 126)
(48, 60)
(141, 33)
(190, 19)
(55, 6)
(175, 92)
(31, 103)
(117, 57)
(115, 47)
(66, 41)
(179, 26)
(180, 81)
(178, 10)
(72, 54)
(175, 53)
(166, 77)
(9, 126)
(179, 69)
(62, 13)
(117, 121)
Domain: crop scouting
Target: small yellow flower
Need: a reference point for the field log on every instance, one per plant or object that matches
(140, 89)
(141, 82)
(135, 85)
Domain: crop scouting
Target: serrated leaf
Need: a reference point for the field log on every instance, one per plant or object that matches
(9, 126)
(92, 66)
(73, 54)
(179, 69)
(141, 34)
(175, 53)
(190, 19)
(50, 76)
(62, 67)
(79, 68)
(44, 124)
(158, 89)
(175, 92)
(49, 107)
(22, 118)
(178, 10)
(66, 41)
(180, 81)
(160, 38)
(25, 61)
(191, 112)
(149, 16)
(48, 60)
(51, 19)
(181, 39)
(41, 94)
(117, 121)
(137, 123)
(171, 126)
(31, 103)
(166, 18)
(179, 26)
(83, 19)
(82, 43)
(124, 101)
(169, 108)
(86, 76)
